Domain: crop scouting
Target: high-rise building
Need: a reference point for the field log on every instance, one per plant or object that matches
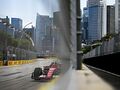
(96, 19)
(6, 27)
(110, 19)
(56, 31)
(11, 31)
(85, 24)
(117, 16)
(17, 23)
(43, 34)
(2, 26)
(4, 23)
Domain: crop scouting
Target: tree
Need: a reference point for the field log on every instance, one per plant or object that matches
(86, 49)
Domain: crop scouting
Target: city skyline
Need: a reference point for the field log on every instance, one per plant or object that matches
(27, 9)
(84, 3)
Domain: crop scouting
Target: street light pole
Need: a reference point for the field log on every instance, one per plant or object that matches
(79, 33)
(24, 28)
(5, 51)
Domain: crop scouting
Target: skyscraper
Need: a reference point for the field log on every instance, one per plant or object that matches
(96, 19)
(5, 25)
(17, 23)
(56, 31)
(43, 34)
(4, 22)
(117, 16)
(110, 19)
(85, 24)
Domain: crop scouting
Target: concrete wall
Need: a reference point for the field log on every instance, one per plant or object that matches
(107, 47)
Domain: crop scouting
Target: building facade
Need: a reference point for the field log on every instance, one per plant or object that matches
(85, 24)
(96, 19)
(11, 31)
(110, 19)
(6, 27)
(4, 23)
(17, 23)
(117, 16)
(2, 26)
(56, 31)
(43, 34)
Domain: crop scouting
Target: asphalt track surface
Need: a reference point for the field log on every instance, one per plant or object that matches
(111, 78)
(19, 77)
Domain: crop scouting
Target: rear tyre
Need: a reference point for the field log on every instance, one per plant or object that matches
(37, 73)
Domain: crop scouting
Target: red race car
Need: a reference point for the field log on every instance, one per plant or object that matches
(47, 72)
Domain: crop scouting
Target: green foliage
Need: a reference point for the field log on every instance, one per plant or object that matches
(108, 37)
(96, 41)
(86, 49)
(15, 42)
(5, 38)
(19, 47)
(24, 43)
(20, 43)
(90, 47)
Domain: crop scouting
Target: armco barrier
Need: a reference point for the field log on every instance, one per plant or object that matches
(1, 63)
(18, 62)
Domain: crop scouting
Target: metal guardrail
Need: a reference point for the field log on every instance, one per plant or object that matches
(17, 62)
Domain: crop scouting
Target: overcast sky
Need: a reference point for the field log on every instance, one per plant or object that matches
(27, 9)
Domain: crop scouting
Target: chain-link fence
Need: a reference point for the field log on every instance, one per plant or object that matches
(13, 53)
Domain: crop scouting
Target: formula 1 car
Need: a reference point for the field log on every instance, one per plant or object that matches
(47, 72)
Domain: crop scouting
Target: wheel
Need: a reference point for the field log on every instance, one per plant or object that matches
(37, 73)
(32, 76)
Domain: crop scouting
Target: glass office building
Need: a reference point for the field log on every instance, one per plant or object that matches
(96, 19)
(117, 16)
